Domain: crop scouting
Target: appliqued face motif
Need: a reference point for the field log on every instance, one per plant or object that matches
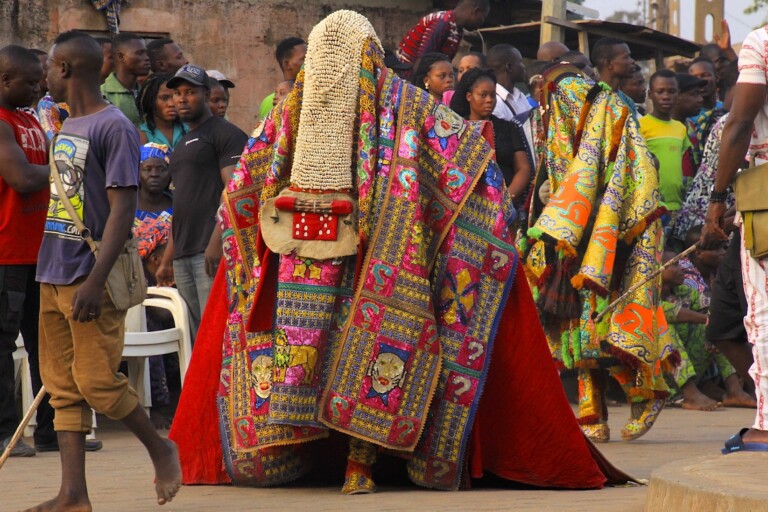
(386, 372)
(261, 376)
(447, 123)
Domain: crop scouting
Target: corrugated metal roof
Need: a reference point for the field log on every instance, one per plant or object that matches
(644, 42)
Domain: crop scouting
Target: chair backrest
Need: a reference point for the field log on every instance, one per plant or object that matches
(136, 319)
(20, 352)
(139, 341)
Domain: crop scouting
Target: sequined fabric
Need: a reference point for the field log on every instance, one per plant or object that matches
(597, 237)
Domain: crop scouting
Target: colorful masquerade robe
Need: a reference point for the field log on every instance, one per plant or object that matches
(597, 236)
(399, 356)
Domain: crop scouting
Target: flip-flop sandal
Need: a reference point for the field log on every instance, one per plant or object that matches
(677, 401)
(737, 444)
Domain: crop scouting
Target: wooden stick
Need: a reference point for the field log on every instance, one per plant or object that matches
(632, 290)
(20, 430)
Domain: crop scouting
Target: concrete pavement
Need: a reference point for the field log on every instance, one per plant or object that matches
(120, 477)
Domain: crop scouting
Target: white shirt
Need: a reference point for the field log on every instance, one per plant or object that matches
(505, 102)
(510, 104)
(753, 69)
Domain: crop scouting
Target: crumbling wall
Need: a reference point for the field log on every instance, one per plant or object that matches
(237, 37)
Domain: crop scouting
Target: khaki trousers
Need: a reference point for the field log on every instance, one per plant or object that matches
(79, 361)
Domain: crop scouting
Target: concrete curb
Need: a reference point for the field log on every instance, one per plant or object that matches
(736, 482)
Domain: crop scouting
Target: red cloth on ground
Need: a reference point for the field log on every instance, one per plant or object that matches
(524, 430)
(195, 426)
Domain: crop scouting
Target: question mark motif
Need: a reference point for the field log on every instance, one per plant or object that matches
(246, 207)
(437, 211)
(443, 468)
(224, 377)
(431, 333)
(338, 405)
(380, 274)
(456, 180)
(500, 260)
(477, 350)
(369, 309)
(242, 428)
(408, 424)
(407, 178)
(246, 468)
(464, 385)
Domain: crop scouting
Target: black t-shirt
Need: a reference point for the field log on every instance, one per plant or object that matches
(508, 137)
(196, 164)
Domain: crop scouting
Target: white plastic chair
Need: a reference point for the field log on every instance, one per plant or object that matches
(21, 367)
(140, 344)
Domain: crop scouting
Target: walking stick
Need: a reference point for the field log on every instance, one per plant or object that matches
(22, 425)
(632, 290)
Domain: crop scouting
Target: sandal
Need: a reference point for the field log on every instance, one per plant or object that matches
(737, 444)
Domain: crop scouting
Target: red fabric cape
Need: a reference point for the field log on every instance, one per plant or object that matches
(524, 430)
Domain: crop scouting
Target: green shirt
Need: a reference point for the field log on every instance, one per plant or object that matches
(121, 97)
(669, 141)
(266, 106)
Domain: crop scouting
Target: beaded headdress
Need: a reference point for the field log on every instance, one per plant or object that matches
(324, 144)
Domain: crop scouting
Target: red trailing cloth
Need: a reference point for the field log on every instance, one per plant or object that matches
(525, 430)
(195, 427)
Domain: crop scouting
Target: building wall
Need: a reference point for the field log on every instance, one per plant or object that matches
(237, 37)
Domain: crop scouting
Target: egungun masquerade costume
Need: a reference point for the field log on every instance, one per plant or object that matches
(370, 281)
(598, 235)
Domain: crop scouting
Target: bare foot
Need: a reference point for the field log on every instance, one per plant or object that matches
(60, 504)
(167, 472)
(159, 420)
(735, 395)
(755, 436)
(739, 398)
(695, 400)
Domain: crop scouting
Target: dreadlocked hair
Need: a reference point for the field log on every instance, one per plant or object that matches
(147, 99)
(459, 102)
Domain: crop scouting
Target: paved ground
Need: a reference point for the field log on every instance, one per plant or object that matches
(120, 477)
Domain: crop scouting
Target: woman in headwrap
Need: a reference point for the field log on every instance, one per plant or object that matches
(152, 226)
(155, 200)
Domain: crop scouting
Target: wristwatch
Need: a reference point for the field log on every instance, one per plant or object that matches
(718, 197)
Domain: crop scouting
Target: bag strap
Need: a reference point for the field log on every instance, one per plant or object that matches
(85, 233)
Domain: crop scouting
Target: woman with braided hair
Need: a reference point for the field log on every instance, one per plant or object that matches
(474, 100)
(434, 74)
(159, 122)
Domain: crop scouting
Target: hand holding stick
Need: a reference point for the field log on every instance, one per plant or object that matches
(639, 285)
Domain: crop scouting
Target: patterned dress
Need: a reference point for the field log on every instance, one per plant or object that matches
(151, 229)
(690, 339)
(51, 115)
(694, 208)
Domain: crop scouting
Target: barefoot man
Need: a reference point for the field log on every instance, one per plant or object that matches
(81, 331)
